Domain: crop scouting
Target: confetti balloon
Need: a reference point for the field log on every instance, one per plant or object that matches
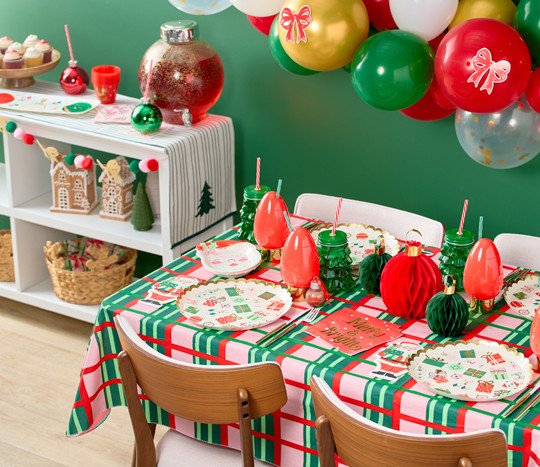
(322, 35)
(258, 7)
(201, 7)
(501, 140)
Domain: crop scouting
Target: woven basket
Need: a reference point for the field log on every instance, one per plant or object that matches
(89, 287)
(7, 274)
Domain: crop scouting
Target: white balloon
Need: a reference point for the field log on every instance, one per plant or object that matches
(426, 18)
(258, 7)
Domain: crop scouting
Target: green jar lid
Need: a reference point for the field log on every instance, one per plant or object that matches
(453, 238)
(251, 193)
(327, 239)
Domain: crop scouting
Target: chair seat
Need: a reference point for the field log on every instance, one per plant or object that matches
(177, 450)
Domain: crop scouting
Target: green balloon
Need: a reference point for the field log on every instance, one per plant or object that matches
(280, 56)
(527, 23)
(392, 70)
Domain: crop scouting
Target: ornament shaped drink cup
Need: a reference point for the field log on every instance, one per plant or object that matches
(146, 117)
(270, 228)
(73, 80)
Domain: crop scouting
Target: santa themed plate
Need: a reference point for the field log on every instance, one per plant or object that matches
(471, 371)
(362, 240)
(234, 304)
(524, 296)
(234, 259)
(175, 285)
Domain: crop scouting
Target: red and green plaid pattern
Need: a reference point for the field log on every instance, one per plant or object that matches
(287, 437)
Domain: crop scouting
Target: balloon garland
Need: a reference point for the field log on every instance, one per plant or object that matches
(477, 61)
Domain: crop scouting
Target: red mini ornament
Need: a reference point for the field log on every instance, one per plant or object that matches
(299, 259)
(74, 80)
(408, 281)
(483, 275)
(270, 227)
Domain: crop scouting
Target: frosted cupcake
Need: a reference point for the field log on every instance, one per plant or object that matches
(32, 57)
(17, 46)
(5, 42)
(13, 60)
(46, 49)
(30, 41)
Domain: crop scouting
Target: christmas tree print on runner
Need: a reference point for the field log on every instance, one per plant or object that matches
(205, 203)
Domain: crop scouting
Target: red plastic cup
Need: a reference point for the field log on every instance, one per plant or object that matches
(105, 79)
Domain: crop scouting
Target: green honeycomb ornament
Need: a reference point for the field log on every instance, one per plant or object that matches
(371, 267)
(447, 313)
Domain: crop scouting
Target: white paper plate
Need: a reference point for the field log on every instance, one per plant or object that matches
(235, 260)
(234, 304)
(524, 296)
(471, 371)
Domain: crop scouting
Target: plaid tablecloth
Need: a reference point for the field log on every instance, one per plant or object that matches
(375, 382)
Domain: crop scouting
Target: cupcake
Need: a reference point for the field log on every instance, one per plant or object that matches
(30, 41)
(32, 57)
(45, 47)
(13, 60)
(17, 46)
(5, 42)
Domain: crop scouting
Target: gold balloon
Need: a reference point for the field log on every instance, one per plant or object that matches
(322, 35)
(501, 10)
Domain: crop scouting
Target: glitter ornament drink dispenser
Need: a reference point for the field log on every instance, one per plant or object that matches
(187, 75)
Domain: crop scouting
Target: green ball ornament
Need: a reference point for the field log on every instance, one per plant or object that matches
(447, 313)
(11, 127)
(370, 270)
(70, 159)
(146, 117)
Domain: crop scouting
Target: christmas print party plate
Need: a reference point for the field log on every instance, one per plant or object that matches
(234, 304)
(524, 296)
(362, 240)
(230, 260)
(175, 285)
(471, 371)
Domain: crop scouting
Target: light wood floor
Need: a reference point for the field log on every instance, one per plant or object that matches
(41, 355)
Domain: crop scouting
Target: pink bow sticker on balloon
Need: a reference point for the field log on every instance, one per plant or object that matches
(302, 19)
(497, 71)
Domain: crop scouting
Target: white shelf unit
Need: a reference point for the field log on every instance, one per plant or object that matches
(26, 198)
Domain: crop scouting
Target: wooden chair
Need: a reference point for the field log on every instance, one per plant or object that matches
(361, 442)
(205, 394)
(395, 221)
(519, 250)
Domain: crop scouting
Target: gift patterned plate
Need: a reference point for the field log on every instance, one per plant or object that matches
(471, 371)
(234, 304)
(524, 296)
(362, 240)
(232, 260)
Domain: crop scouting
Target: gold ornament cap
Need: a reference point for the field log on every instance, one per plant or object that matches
(449, 289)
(413, 248)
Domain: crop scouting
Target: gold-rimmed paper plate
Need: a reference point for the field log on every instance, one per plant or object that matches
(471, 370)
(362, 240)
(524, 296)
(234, 304)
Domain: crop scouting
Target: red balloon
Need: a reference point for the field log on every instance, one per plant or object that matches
(532, 93)
(269, 226)
(408, 282)
(483, 273)
(379, 14)
(427, 109)
(439, 96)
(299, 259)
(482, 65)
(262, 23)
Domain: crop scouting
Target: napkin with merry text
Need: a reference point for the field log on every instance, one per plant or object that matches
(352, 332)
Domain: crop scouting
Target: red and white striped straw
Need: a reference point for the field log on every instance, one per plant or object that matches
(147, 87)
(463, 214)
(69, 42)
(258, 180)
(337, 216)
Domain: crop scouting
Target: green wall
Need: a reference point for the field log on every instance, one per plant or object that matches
(314, 132)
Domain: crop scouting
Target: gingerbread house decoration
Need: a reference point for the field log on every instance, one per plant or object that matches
(116, 190)
(74, 189)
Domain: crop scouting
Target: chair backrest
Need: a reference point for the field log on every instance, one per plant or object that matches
(361, 442)
(394, 221)
(519, 250)
(206, 394)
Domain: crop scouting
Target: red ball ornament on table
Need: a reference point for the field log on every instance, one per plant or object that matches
(74, 80)
(408, 281)
(482, 65)
(483, 275)
(269, 226)
(299, 259)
